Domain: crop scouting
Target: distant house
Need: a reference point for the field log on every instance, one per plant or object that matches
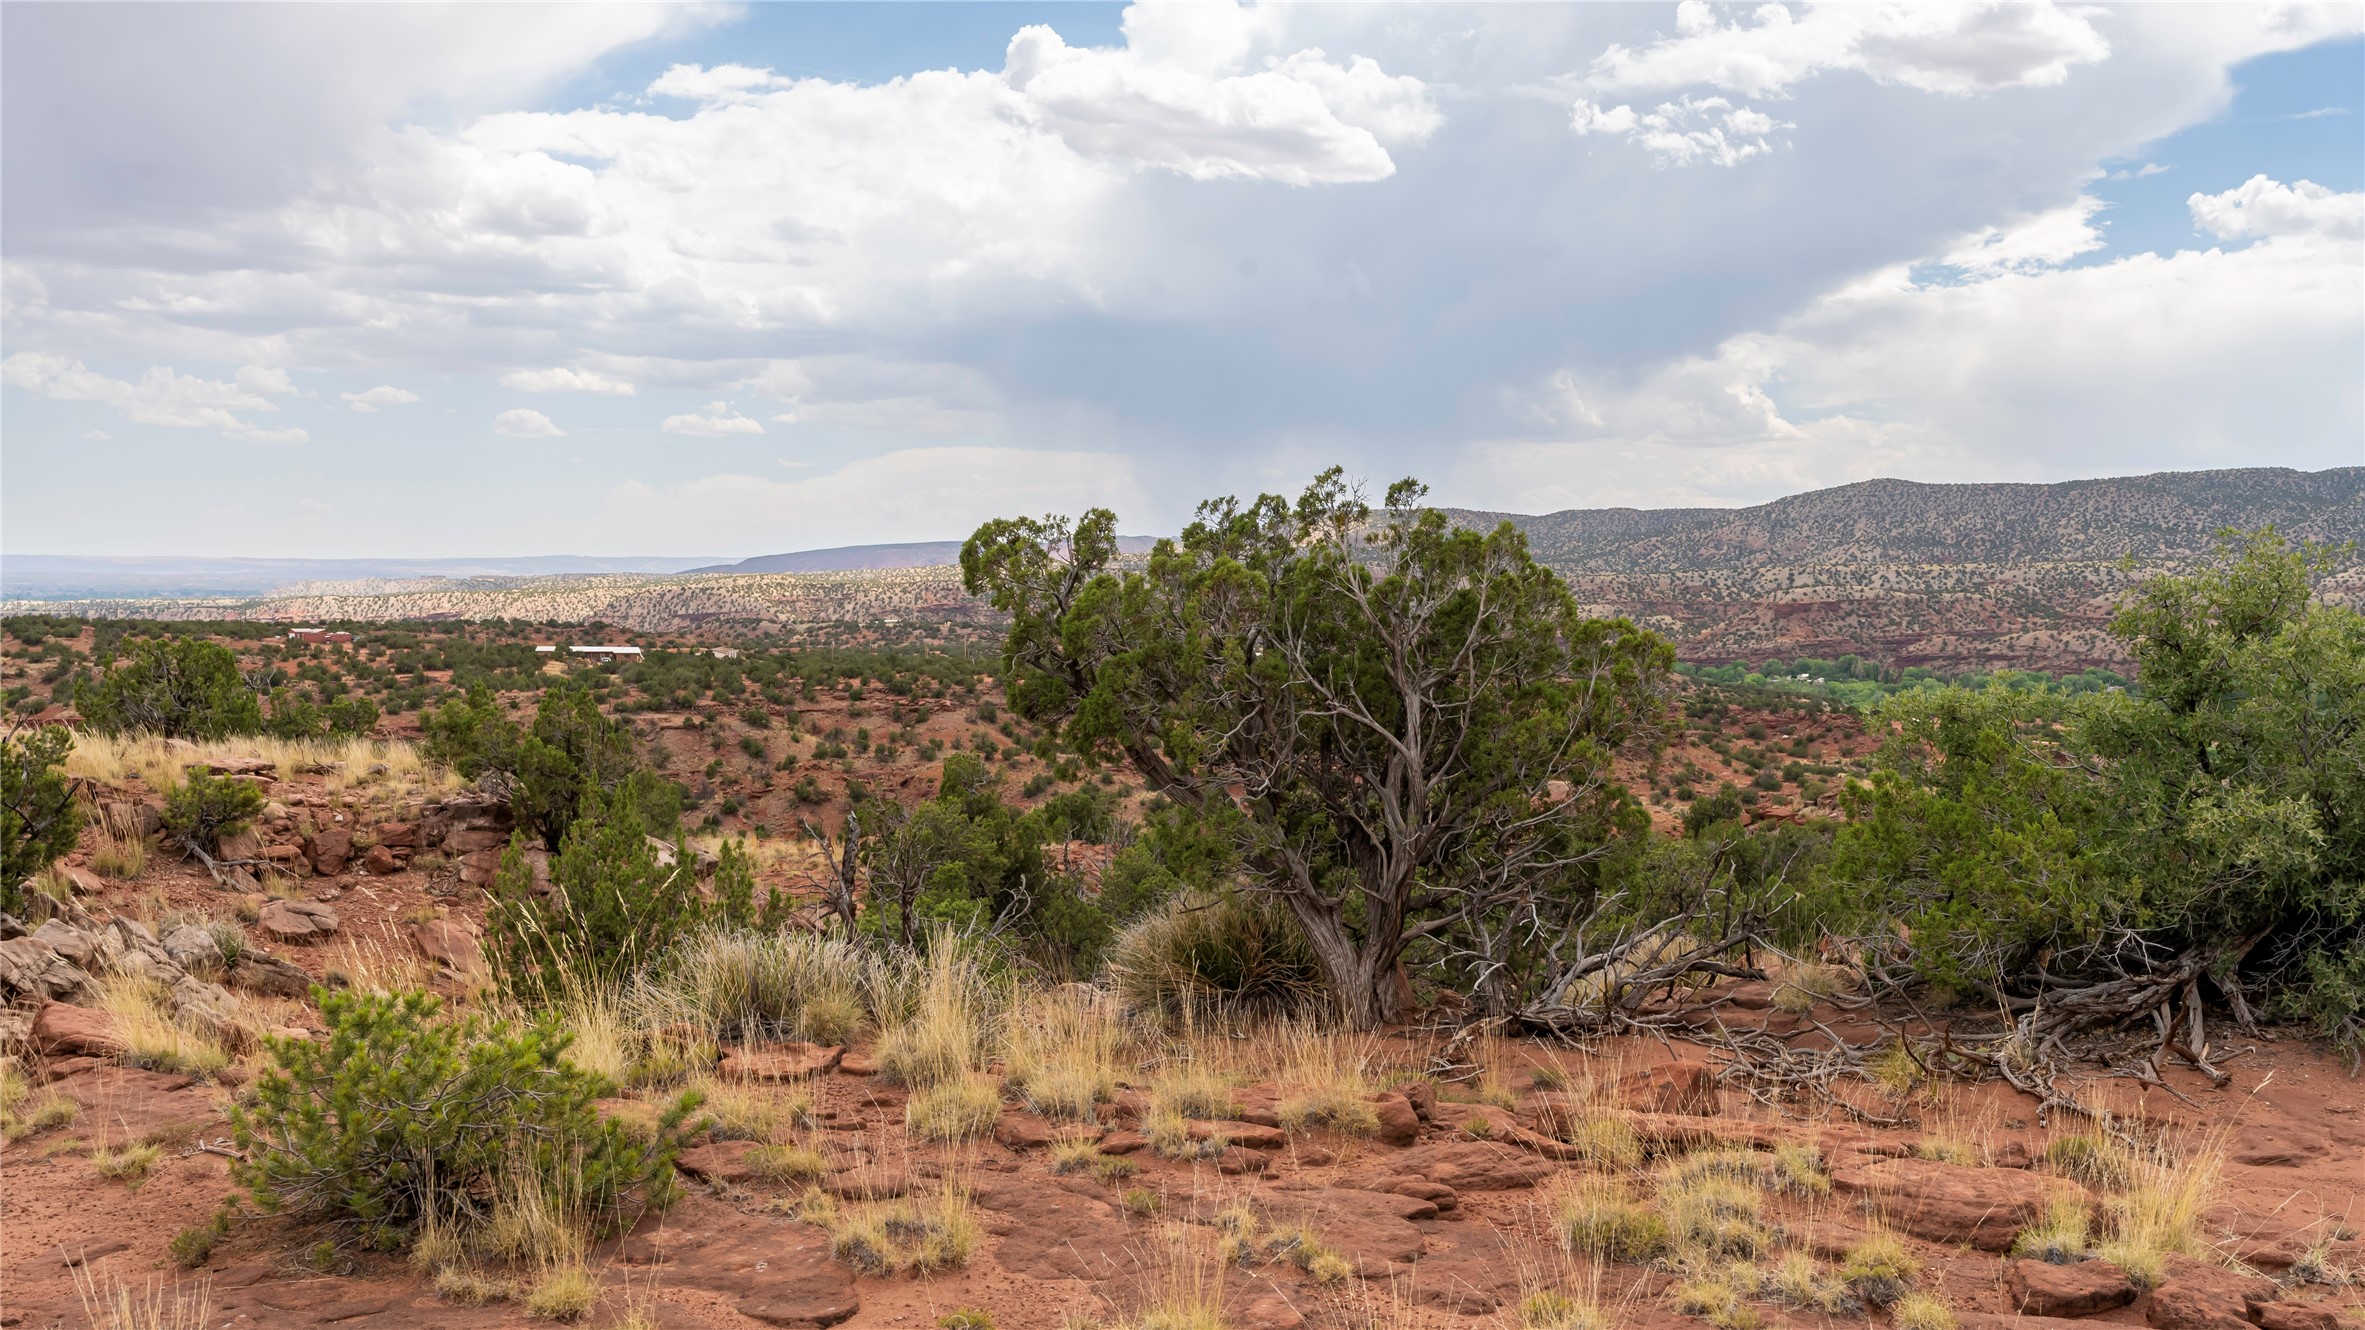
(545, 650)
(317, 636)
(608, 653)
(724, 653)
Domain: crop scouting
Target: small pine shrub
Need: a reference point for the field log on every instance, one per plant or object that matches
(399, 1115)
(205, 808)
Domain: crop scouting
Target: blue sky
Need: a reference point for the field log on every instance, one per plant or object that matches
(362, 280)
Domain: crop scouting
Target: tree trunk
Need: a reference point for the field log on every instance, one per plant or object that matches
(1358, 982)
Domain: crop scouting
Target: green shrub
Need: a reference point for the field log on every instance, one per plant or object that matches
(179, 688)
(1217, 950)
(613, 903)
(398, 1115)
(206, 807)
(39, 821)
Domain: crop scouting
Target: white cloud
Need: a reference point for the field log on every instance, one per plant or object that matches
(2040, 240)
(521, 423)
(715, 420)
(564, 380)
(911, 494)
(97, 435)
(2261, 207)
(161, 396)
(2144, 363)
(385, 394)
(1931, 45)
(1684, 131)
(865, 393)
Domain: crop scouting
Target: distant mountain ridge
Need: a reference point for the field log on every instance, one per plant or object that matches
(871, 558)
(75, 576)
(2168, 516)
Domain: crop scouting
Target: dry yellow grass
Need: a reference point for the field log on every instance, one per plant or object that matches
(941, 1036)
(1060, 1052)
(391, 767)
(151, 1037)
(2159, 1213)
(112, 1304)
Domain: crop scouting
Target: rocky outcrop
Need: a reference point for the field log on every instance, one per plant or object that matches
(2079, 1289)
(297, 920)
(1954, 1203)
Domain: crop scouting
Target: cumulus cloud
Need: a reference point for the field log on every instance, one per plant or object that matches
(715, 420)
(2038, 240)
(1930, 45)
(564, 380)
(2142, 363)
(160, 396)
(1683, 131)
(385, 394)
(2261, 207)
(521, 423)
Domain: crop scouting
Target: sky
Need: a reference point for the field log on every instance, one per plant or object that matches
(362, 281)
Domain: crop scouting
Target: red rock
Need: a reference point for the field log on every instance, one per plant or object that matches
(399, 835)
(1057, 1228)
(1252, 1135)
(1686, 1088)
(773, 1063)
(2300, 1316)
(1372, 1230)
(1022, 1131)
(1423, 1098)
(1399, 1124)
(1270, 1312)
(452, 944)
(1954, 1203)
(2276, 1145)
(858, 1064)
(870, 1182)
(241, 845)
(1123, 1142)
(72, 1254)
(717, 1161)
(63, 1030)
(379, 862)
(776, 1272)
(475, 840)
(297, 920)
(1462, 1165)
(329, 848)
(283, 854)
(1236, 1160)
(2200, 1296)
(2082, 1289)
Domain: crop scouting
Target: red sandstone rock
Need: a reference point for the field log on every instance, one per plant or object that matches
(2082, 1289)
(1954, 1203)
(772, 1063)
(1687, 1088)
(61, 1030)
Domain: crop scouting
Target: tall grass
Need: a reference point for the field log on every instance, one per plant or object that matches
(152, 1037)
(939, 1033)
(392, 766)
(745, 986)
(2159, 1213)
(115, 1305)
(1060, 1053)
(1203, 951)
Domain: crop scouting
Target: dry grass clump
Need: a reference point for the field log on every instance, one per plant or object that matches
(1798, 1170)
(1808, 983)
(2060, 1236)
(612, 1037)
(151, 1037)
(915, 1236)
(115, 1305)
(1599, 1217)
(1560, 1309)
(1335, 1073)
(1060, 1053)
(940, 1035)
(744, 1111)
(754, 986)
(1601, 1139)
(1186, 1289)
(538, 1221)
(2159, 1213)
(1177, 959)
(1247, 1241)
(1880, 1268)
(118, 850)
(563, 1293)
(22, 1113)
(1800, 1281)
(1712, 1204)
(1720, 1298)
(1921, 1311)
(1082, 1155)
(1169, 1134)
(368, 965)
(784, 1163)
(2091, 1158)
(127, 1163)
(391, 767)
(1895, 1069)
(955, 1110)
(1192, 1087)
